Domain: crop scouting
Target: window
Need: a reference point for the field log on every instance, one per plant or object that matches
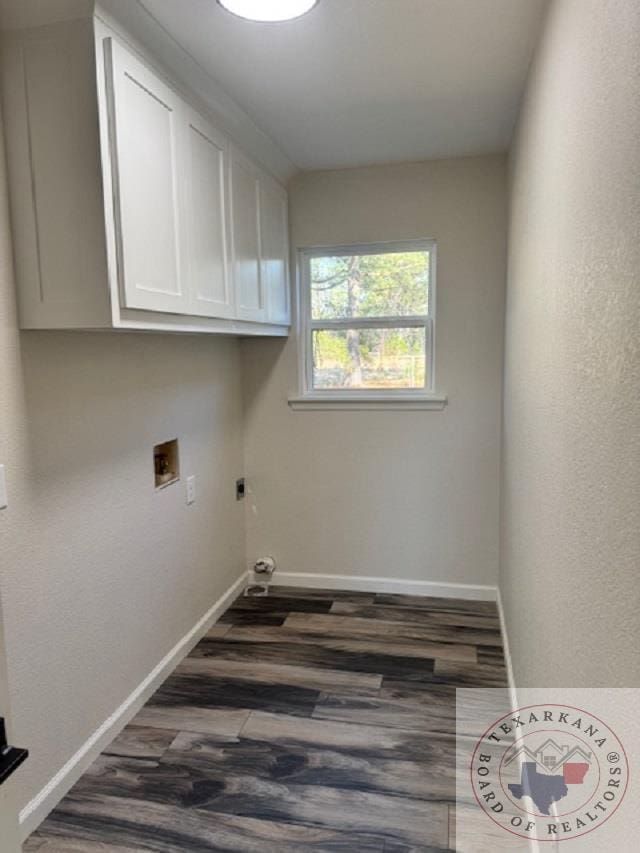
(367, 324)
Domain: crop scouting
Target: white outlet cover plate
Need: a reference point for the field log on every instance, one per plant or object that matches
(191, 489)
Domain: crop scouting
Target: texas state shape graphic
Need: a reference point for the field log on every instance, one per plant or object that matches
(543, 790)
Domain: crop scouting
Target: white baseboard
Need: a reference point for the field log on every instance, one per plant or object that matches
(513, 695)
(472, 592)
(534, 845)
(39, 807)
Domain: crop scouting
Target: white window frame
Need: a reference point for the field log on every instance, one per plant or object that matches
(363, 398)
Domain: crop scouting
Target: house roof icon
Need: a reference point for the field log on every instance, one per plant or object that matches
(551, 750)
(550, 745)
(522, 752)
(578, 754)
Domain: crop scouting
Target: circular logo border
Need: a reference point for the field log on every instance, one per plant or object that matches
(548, 705)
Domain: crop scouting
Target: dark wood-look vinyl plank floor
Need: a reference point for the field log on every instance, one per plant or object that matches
(304, 720)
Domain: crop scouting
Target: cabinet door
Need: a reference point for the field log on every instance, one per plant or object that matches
(245, 234)
(210, 293)
(146, 118)
(274, 246)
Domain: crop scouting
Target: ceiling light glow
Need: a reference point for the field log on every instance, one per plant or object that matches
(268, 11)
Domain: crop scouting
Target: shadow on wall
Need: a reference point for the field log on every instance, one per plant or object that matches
(260, 359)
(98, 402)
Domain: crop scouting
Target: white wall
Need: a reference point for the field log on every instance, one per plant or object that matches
(410, 495)
(100, 575)
(571, 484)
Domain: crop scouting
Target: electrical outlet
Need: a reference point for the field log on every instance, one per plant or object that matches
(191, 489)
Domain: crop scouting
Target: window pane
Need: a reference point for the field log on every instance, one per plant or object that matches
(369, 358)
(393, 284)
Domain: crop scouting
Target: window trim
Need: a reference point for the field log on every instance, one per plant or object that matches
(365, 398)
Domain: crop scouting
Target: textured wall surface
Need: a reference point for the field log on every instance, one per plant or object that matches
(101, 575)
(570, 574)
(389, 493)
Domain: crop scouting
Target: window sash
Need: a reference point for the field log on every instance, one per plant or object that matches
(371, 323)
(307, 326)
(425, 324)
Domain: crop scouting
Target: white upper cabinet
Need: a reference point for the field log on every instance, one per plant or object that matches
(130, 208)
(274, 245)
(145, 125)
(260, 243)
(245, 237)
(205, 152)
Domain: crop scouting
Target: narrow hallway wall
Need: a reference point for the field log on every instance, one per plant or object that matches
(570, 573)
(100, 574)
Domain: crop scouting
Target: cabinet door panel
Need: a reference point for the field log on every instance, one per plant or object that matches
(209, 287)
(274, 251)
(146, 118)
(250, 303)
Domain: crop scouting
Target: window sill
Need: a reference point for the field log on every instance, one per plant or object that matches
(406, 402)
